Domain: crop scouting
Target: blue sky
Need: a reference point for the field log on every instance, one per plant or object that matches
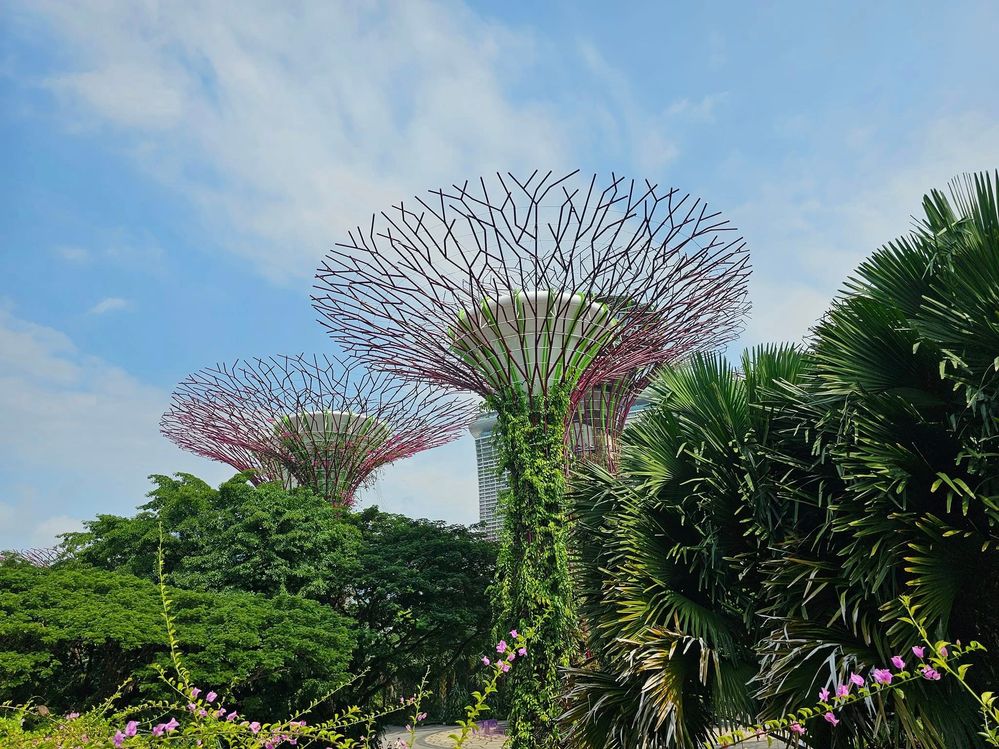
(172, 173)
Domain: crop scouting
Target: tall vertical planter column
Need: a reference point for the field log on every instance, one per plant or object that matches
(533, 583)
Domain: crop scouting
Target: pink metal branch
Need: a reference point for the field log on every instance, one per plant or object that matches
(420, 291)
(316, 421)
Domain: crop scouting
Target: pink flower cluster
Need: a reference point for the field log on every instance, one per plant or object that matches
(200, 709)
(879, 676)
(507, 654)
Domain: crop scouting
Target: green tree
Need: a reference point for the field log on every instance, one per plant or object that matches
(71, 635)
(415, 588)
(237, 538)
(419, 600)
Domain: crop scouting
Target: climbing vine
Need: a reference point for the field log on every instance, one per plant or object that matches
(533, 585)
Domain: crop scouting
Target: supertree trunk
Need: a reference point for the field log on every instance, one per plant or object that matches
(533, 583)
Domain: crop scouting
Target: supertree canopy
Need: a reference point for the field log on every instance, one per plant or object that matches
(319, 422)
(533, 292)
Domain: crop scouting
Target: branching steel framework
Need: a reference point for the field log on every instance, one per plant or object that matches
(599, 418)
(39, 557)
(424, 291)
(534, 293)
(321, 422)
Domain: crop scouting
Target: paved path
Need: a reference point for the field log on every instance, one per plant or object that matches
(435, 737)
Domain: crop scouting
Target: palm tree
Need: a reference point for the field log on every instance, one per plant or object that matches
(755, 542)
(902, 414)
(671, 550)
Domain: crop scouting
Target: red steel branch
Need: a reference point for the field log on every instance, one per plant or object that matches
(669, 273)
(317, 421)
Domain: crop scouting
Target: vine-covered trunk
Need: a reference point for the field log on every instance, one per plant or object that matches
(533, 584)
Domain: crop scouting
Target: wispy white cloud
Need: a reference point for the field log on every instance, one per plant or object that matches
(25, 525)
(812, 220)
(697, 110)
(109, 304)
(73, 253)
(81, 436)
(289, 125)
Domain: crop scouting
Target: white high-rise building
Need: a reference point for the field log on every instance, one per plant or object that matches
(491, 481)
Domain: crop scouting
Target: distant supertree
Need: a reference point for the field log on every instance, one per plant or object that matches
(41, 557)
(598, 420)
(531, 293)
(319, 422)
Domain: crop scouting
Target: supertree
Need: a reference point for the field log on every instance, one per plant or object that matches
(40, 557)
(320, 422)
(596, 423)
(531, 293)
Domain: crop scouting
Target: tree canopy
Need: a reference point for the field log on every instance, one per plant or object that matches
(71, 635)
(415, 590)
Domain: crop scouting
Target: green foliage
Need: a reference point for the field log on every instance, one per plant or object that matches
(415, 589)
(237, 538)
(418, 596)
(763, 527)
(70, 636)
(670, 579)
(533, 585)
(207, 718)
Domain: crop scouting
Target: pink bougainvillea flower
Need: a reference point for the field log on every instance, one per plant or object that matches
(931, 674)
(857, 679)
(842, 690)
(131, 728)
(898, 662)
(255, 727)
(513, 634)
(919, 651)
(823, 695)
(882, 676)
(798, 729)
(506, 667)
(501, 646)
(194, 693)
(119, 738)
(831, 719)
(485, 660)
(210, 697)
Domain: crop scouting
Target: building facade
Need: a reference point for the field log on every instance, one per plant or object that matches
(492, 482)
